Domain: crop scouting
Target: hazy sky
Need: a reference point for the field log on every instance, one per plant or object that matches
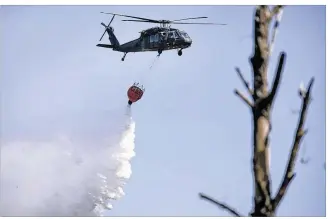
(192, 134)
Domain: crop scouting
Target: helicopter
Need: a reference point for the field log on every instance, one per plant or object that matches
(159, 38)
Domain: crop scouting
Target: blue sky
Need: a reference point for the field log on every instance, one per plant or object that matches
(192, 134)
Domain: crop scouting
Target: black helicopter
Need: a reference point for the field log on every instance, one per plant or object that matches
(153, 39)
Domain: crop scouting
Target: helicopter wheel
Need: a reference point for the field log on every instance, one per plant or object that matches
(180, 52)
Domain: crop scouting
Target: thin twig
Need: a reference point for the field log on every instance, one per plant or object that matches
(244, 81)
(247, 101)
(276, 80)
(289, 172)
(220, 205)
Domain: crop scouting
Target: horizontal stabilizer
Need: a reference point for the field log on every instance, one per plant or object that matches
(105, 46)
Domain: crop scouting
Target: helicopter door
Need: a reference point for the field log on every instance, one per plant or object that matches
(171, 37)
(153, 41)
(143, 44)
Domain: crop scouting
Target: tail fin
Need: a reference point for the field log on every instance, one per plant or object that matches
(112, 38)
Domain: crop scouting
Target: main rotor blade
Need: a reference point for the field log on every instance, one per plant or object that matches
(173, 22)
(197, 23)
(190, 18)
(145, 19)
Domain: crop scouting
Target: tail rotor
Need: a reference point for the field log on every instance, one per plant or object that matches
(107, 27)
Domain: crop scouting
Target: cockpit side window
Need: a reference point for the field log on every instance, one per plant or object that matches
(184, 34)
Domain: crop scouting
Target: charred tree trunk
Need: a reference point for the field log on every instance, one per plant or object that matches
(261, 107)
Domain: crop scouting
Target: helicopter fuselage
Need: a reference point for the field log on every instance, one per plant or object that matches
(153, 39)
(157, 39)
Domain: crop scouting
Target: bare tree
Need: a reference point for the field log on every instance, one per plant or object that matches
(265, 204)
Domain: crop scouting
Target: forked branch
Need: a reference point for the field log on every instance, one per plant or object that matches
(220, 205)
(300, 132)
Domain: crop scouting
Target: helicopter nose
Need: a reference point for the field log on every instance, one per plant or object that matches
(188, 43)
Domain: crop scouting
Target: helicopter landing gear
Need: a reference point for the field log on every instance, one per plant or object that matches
(124, 56)
(180, 52)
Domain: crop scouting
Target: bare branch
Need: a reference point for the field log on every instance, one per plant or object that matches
(247, 101)
(277, 11)
(220, 205)
(289, 172)
(276, 81)
(246, 83)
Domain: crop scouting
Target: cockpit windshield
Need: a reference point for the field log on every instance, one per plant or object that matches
(184, 34)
